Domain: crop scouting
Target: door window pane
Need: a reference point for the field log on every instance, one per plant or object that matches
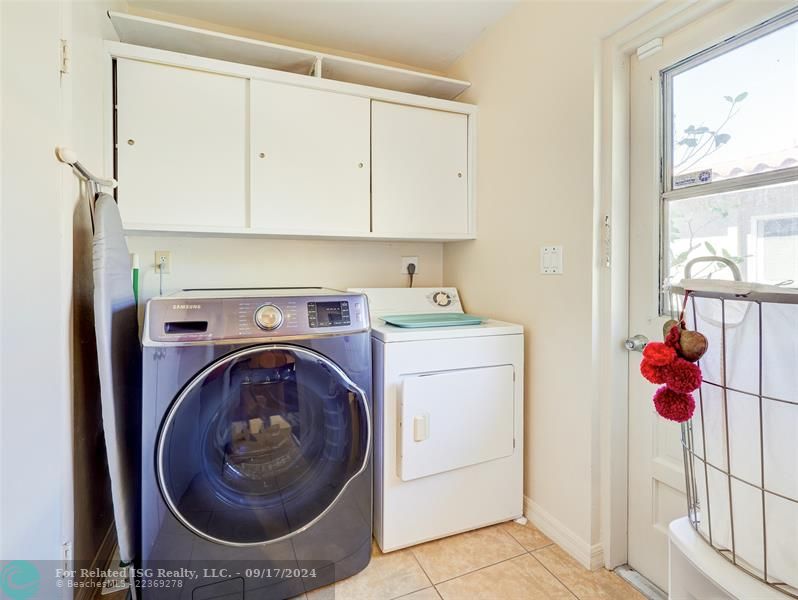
(756, 228)
(737, 114)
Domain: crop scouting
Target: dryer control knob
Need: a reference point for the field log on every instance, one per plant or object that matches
(442, 299)
(268, 317)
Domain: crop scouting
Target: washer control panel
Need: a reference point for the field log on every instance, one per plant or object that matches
(268, 317)
(329, 314)
(183, 318)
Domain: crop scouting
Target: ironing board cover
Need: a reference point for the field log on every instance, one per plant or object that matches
(119, 363)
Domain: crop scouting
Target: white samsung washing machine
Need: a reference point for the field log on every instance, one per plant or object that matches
(448, 419)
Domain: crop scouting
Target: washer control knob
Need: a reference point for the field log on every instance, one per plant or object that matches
(268, 317)
(441, 298)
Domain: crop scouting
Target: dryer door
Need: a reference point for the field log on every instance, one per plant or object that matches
(454, 419)
(259, 445)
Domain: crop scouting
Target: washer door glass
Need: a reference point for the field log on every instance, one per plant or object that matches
(261, 444)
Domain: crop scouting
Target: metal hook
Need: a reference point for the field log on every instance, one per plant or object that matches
(67, 156)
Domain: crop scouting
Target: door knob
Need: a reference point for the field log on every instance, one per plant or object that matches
(636, 343)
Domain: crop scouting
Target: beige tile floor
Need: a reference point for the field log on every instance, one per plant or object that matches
(502, 562)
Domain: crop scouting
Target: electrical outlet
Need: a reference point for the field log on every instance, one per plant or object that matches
(406, 260)
(163, 261)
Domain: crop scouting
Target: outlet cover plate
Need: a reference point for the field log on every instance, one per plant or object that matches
(163, 261)
(406, 260)
(551, 260)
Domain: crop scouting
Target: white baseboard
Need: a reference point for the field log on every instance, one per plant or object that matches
(590, 557)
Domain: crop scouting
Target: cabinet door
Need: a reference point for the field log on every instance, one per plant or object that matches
(310, 160)
(419, 170)
(182, 146)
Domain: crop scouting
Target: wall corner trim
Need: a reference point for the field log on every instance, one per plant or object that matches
(589, 556)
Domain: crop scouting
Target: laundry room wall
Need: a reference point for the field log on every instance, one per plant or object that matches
(34, 287)
(535, 76)
(252, 262)
(54, 492)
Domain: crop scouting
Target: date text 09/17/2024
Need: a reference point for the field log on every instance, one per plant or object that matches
(185, 573)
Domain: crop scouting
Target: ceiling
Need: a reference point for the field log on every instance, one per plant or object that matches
(430, 34)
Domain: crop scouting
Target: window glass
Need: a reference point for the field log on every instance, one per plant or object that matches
(730, 189)
(737, 114)
(756, 228)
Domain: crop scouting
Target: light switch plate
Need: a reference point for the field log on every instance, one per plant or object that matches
(551, 260)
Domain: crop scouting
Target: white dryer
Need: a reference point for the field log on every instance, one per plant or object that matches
(448, 420)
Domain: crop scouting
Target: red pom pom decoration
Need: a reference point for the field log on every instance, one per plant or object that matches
(674, 406)
(682, 376)
(674, 339)
(672, 364)
(659, 354)
(653, 373)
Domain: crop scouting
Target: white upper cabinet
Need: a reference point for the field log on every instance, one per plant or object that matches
(208, 146)
(419, 171)
(310, 160)
(182, 143)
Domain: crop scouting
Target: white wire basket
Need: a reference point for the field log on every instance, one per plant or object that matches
(741, 446)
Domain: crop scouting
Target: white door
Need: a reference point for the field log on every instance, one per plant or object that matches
(419, 170)
(730, 110)
(310, 164)
(182, 146)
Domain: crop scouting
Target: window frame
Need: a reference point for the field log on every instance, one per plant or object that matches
(756, 180)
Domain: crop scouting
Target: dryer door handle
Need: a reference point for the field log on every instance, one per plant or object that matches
(420, 428)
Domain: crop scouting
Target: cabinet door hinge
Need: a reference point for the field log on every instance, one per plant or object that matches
(65, 57)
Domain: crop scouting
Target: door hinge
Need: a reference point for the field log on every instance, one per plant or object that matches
(66, 57)
(66, 556)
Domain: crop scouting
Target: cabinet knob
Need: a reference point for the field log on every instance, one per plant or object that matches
(131, 142)
(359, 165)
(459, 173)
(262, 155)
